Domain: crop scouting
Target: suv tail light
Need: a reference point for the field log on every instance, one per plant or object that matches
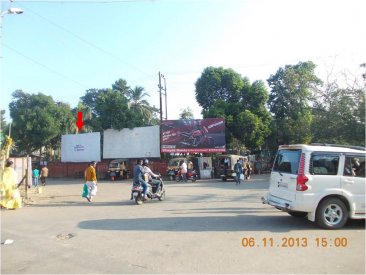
(301, 178)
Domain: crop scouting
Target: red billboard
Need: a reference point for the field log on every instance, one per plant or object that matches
(193, 136)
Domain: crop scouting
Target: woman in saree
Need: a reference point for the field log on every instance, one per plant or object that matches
(10, 198)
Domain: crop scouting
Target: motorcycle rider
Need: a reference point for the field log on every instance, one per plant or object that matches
(150, 174)
(138, 178)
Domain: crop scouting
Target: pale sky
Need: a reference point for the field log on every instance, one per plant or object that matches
(63, 48)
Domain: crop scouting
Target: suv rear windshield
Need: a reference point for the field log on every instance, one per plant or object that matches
(287, 161)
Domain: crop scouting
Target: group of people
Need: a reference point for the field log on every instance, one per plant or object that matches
(36, 175)
(142, 175)
(242, 170)
(9, 186)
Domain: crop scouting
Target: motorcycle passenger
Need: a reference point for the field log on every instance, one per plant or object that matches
(150, 174)
(138, 178)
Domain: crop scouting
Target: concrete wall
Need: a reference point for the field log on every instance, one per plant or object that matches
(76, 169)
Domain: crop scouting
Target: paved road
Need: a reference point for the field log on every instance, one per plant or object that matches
(204, 227)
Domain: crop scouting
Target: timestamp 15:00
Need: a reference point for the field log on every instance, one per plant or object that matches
(294, 242)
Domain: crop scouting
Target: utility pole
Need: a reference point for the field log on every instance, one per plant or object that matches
(161, 76)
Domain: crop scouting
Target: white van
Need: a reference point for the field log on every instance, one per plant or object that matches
(325, 183)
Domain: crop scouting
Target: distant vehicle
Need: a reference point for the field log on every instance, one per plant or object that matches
(173, 167)
(117, 169)
(325, 183)
(191, 175)
(227, 163)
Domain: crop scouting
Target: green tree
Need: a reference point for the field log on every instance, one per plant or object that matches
(121, 86)
(3, 126)
(292, 89)
(224, 93)
(339, 115)
(218, 84)
(65, 120)
(117, 108)
(112, 111)
(89, 123)
(186, 113)
(138, 104)
(363, 65)
(34, 121)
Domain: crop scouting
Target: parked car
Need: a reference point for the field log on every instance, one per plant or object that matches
(325, 183)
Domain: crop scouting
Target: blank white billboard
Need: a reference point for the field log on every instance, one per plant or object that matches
(80, 147)
(139, 142)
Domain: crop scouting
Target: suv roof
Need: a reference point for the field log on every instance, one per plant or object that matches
(325, 147)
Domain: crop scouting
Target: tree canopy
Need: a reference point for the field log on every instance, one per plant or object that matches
(297, 109)
(218, 84)
(225, 93)
(186, 113)
(292, 90)
(118, 107)
(37, 120)
(339, 114)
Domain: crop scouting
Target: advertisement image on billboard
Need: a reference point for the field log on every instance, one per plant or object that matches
(193, 136)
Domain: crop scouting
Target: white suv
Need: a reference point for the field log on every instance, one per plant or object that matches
(324, 182)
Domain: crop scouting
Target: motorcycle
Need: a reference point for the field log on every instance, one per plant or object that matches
(113, 175)
(156, 191)
(191, 175)
(172, 173)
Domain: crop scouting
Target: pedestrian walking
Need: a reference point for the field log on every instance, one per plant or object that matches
(238, 169)
(35, 176)
(91, 181)
(258, 166)
(183, 170)
(44, 175)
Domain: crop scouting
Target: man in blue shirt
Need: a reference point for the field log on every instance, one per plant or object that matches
(138, 177)
(35, 177)
(238, 169)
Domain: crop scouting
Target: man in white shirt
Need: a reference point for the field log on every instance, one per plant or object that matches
(149, 174)
(184, 171)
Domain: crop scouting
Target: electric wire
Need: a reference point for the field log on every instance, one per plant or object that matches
(46, 67)
(80, 1)
(115, 57)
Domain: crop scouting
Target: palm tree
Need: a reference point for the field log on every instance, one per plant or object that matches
(140, 105)
(121, 86)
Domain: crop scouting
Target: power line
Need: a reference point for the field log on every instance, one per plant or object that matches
(115, 57)
(46, 67)
(81, 1)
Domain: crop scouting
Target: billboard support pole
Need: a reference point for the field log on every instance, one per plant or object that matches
(166, 102)
(161, 76)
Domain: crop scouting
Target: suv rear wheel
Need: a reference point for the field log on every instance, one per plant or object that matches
(331, 214)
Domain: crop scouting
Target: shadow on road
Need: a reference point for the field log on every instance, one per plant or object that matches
(246, 222)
